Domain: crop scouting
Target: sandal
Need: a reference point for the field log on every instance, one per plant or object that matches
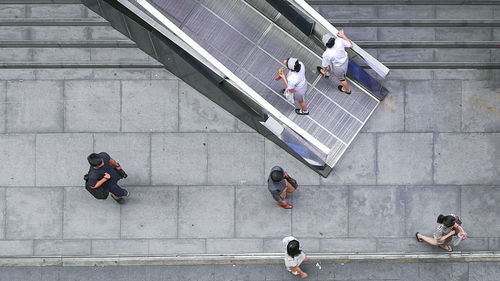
(448, 248)
(418, 239)
(340, 89)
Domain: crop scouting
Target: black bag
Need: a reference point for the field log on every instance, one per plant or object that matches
(101, 192)
(292, 181)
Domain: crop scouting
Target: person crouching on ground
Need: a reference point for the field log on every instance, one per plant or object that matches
(279, 184)
(106, 171)
(294, 256)
(447, 227)
(335, 59)
(295, 82)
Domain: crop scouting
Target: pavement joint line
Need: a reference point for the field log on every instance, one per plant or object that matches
(250, 258)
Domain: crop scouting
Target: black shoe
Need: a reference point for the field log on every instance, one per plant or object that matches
(299, 111)
(119, 200)
(340, 89)
(283, 91)
(126, 192)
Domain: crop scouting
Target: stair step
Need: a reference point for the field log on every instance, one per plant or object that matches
(68, 44)
(402, 2)
(428, 44)
(422, 33)
(53, 22)
(60, 33)
(414, 23)
(100, 64)
(440, 65)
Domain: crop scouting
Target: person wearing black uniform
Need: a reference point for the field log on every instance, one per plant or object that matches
(106, 171)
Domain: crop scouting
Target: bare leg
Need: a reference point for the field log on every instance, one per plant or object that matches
(429, 240)
(345, 86)
(296, 270)
(303, 105)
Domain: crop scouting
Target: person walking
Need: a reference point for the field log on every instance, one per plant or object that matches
(336, 60)
(294, 256)
(105, 171)
(279, 184)
(295, 82)
(448, 227)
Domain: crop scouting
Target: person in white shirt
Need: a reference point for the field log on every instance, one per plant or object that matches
(294, 256)
(295, 82)
(336, 60)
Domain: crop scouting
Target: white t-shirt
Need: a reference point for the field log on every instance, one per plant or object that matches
(291, 262)
(336, 55)
(297, 80)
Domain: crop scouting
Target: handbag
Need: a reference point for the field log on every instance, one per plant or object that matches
(292, 181)
(101, 192)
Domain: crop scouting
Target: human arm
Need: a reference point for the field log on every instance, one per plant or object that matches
(115, 164)
(343, 36)
(101, 181)
(444, 237)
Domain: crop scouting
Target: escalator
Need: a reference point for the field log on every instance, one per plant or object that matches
(230, 50)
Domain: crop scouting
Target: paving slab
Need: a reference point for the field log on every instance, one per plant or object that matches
(69, 151)
(206, 212)
(2, 212)
(151, 212)
(411, 74)
(13, 33)
(124, 74)
(234, 246)
(16, 54)
(13, 248)
(466, 74)
(68, 55)
(346, 11)
(198, 114)
(3, 106)
(13, 11)
(389, 115)
(236, 159)
(320, 211)
(484, 271)
(119, 247)
(424, 204)
(349, 245)
(275, 245)
(179, 159)
(462, 55)
(150, 106)
(34, 106)
(464, 12)
(406, 34)
(276, 156)
(63, 74)
(404, 158)
(475, 200)
(399, 55)
(467, 159)
(56, 11)
(257, 214)
(119, 55)
(17, 74)
(375, 211)
(92, 106)
(357, 165)
(61, 247)
(480, 107)
(58, 33)
(458, 33)
(88, 218)
(34, 213)
(176, 246)
(433, 106)
(402, 11)
(19, 149)
(131, 150)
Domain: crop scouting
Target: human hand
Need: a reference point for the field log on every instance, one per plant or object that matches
(452, 232)
(283, 195)
(106, 176)
(340, 33)
(281, 71)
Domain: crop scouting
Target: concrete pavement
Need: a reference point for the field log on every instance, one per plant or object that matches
(197, 175)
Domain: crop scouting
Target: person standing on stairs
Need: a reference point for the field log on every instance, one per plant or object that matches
(336, 60)
(295, 82)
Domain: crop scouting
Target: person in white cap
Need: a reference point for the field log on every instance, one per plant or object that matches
(336, 60)
(295, 82)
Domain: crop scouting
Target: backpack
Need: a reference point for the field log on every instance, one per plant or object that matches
(101, 192)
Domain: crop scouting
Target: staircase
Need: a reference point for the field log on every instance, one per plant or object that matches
(421, 34)
(63, 34)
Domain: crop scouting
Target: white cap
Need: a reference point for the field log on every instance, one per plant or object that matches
(291, 63)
